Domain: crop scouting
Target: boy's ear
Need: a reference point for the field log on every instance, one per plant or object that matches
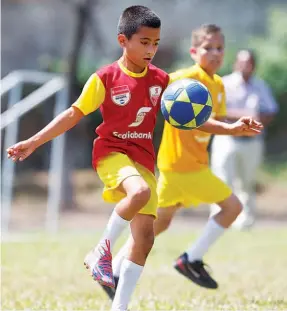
(122, 39)
(192, 52)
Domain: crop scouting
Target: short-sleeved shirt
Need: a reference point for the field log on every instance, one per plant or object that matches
(129, 103)
(254, 95)
(253, 98)
(183, 150)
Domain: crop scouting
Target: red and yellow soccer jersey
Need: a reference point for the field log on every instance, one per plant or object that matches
(183, 150)
(129, 103)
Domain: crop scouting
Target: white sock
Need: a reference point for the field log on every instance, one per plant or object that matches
(114, 228)
(119, 258)
(130, 273)
(210, 234)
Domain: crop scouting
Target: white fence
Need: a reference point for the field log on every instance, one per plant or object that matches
(50, 85)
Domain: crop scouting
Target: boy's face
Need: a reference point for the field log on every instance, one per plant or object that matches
(209, 53)
(142, 46)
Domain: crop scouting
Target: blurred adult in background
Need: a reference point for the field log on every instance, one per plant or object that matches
(242, 156)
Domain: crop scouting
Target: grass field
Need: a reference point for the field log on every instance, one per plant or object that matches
(47, 273)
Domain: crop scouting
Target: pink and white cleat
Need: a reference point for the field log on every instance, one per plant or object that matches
(99, 262)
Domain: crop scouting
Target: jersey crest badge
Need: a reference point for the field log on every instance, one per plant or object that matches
(154, 93)
(121, 95)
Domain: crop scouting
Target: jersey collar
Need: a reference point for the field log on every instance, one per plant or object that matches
(204, 73)
(130, 73)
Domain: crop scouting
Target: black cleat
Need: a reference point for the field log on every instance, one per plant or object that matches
(195, 271)
(109, 290)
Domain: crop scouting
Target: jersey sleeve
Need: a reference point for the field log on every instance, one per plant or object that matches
(182, 74)
(175, 76)
(92, 96)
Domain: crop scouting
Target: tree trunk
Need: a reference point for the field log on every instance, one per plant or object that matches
(82, 10)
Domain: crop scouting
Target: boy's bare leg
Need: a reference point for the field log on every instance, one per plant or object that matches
(98, 261)
(164, 218)
(141, 242)
(190, 263)
(162, 222)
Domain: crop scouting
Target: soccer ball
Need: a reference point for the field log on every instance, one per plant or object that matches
(186, 104)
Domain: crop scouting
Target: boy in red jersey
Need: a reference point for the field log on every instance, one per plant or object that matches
(128, 93)
(184, 176)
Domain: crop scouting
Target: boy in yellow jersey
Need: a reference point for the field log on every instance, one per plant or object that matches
(185, 178)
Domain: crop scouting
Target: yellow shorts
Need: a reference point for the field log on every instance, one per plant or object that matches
(114, 169)
(190, 188)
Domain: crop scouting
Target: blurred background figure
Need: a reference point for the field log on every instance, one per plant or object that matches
(236, 159)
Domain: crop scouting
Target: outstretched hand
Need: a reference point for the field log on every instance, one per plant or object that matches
(247, 126)
(21, 150)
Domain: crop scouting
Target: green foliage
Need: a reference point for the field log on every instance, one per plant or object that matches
(272, 66)
(274, 171)
(271, 61)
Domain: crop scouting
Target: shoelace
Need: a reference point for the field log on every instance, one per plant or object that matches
(105, 261)
(202, 268)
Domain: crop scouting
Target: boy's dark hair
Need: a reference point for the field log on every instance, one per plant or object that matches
(198, 34)
(137, 16)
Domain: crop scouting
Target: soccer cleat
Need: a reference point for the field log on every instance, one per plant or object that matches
(99, 262)
(111, 291)
(195, 271)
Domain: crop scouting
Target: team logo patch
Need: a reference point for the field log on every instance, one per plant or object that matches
(121, 95)
(140, 116)
(154, 93)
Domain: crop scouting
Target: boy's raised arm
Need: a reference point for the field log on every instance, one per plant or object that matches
(245, 126)
(90, 100)
(61, 124)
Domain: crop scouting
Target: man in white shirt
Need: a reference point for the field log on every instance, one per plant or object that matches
(237, 159)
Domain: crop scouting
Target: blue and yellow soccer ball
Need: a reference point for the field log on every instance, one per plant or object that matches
(186, 104)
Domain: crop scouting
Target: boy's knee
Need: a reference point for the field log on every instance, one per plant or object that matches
(141, 195)
(231, 206)
(162, 224)
(167, 222)
(165, 216)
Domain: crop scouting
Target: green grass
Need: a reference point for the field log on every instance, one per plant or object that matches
(48, 274)
(275, 171)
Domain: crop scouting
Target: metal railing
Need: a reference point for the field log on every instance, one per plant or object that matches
(51, 85)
